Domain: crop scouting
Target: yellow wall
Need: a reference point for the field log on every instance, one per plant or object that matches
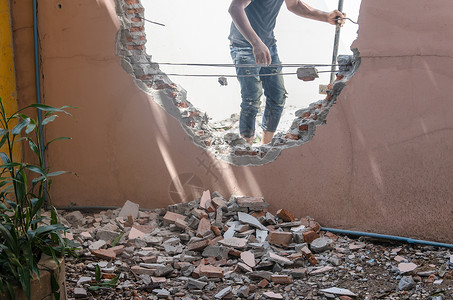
(7, 77)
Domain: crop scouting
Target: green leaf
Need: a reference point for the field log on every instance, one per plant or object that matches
(55, 287)
(3, 140)
(18, 128)
(30, 127)
(3, 131)
(97, 273)
(49, 119)
(5, 158)
(36, 205)
(94, 288)
(48, 108)
(36, 169)
(21, 186)
(57, 139)
(56, 173)
(116, 240)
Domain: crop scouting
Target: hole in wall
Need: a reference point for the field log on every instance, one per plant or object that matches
(207, 110)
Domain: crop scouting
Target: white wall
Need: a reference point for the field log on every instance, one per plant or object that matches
(196, 31)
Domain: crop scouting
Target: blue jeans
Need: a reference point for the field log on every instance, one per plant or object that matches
(252, 89)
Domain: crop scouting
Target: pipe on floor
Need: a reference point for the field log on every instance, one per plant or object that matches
(387, 237)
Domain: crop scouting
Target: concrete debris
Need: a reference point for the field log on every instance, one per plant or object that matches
(406, 283)
(339, 291)
(129, 209)
(217, 249)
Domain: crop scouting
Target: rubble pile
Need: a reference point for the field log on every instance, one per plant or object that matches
(216, 248)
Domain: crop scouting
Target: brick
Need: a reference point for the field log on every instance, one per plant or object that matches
(283, 279)
(134, 11)
(215, 240)
(198, 246)
(254, 203)
(259, 214)
(248, 258)
(130, 2)
(280, 237)
(211, 271)
(332, 236)
(216, 230)
(309, 256)
(204, 227)
(118, 249)
(285, 215)
(104, 253)
(171, 217)
(181, 224)
(140, 270)
(205, 199)
(290, 136)
(263, 283)
(310, 236)
(158, 280)
(237, 243)
(235, 252)
(218, 202)
(137, 29)
(199, 213)
(149, 259)
(314, 225)
(279, 259)
(244, 267)
(299, 273)
(135, 234)
(305, 115)
(303, 127)
(136, 47)
(134, 19)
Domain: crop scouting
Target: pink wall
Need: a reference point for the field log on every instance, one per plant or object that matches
(383, 162)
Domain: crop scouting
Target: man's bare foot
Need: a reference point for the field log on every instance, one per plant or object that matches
(267, 137)
(248, 140)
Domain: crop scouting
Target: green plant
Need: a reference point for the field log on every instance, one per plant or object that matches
(99, 283)
(24, 190)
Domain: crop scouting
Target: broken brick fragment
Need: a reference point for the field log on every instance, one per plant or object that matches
(171, 217)
(211, 271)
(204, 227)
(281, 279)
(280, 238)
(198, 246)
(303, 127)
(263, 283)
(216, 230)
(290, 136)
(199, 213)
(309, 256)
(108, 254)
(310, 236)
(285, 215)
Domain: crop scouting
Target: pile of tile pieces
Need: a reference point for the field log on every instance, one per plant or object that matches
(212, 248)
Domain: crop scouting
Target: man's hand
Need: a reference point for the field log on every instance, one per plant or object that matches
(261, 53)
(336, 17)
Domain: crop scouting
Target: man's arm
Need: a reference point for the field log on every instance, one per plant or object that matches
(304, 10)
(237, 12)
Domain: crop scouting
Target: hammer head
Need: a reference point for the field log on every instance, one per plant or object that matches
(307, 73)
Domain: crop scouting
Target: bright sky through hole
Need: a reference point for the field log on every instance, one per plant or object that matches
(197, 31)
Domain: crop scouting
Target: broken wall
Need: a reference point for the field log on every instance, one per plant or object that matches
(382, 163)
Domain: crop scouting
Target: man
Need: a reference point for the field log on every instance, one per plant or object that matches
(253, 44)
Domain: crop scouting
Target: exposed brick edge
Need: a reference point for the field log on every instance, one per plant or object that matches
(130, 46)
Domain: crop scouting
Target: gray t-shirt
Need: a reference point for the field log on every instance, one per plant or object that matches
(262, 15)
